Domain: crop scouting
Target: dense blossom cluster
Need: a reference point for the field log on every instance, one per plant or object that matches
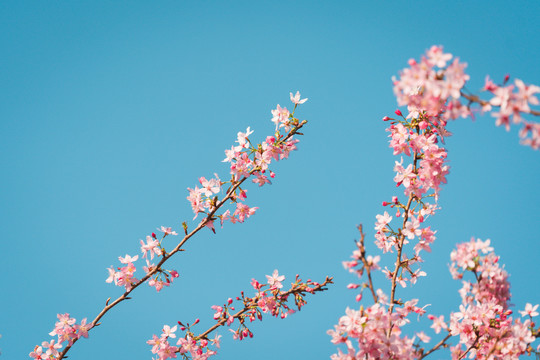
(369, 328)
(247, 161)
(432, 90)
(483, 323)
(435, 84)
(268, 299)
(513, 101)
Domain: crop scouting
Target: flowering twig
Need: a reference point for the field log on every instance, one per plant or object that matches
(476, 99)
(270, 300)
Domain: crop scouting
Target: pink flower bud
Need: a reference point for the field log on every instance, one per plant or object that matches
(394, 199)
(386, 118)
(230, 301)
(154, 236)
(196, 322)
(359, 297)
(398, 113)
(384, 203)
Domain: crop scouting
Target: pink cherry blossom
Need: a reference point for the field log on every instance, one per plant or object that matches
(151, 246)
(167, 231)
(530, 310)
(275, 280)
(296, 98)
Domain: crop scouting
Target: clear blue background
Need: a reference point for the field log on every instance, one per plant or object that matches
(109, 111)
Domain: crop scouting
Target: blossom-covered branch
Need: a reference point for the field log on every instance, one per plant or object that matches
(247, 161)
(268, 299)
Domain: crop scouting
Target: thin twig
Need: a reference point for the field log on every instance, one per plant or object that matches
(367, 266)
(436, 347)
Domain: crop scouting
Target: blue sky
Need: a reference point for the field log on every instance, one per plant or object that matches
(109, 111)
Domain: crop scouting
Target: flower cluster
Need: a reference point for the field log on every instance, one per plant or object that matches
(159, 277)
(484, 325)
(247, 161)
(513, 101)
(268, 299)
(435, 85)
(432, 86)
(67, 331)
(370, 329)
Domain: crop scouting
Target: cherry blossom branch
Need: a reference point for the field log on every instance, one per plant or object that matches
(253, 303)
(274, 147)
(271, 300)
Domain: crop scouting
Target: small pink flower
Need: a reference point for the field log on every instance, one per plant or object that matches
(423, 337)
(168, 331)
(530, 310)
(216, 340)
(296, 98)
(275, 280)
(167, 230)
(82, 329)
(128, 259)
